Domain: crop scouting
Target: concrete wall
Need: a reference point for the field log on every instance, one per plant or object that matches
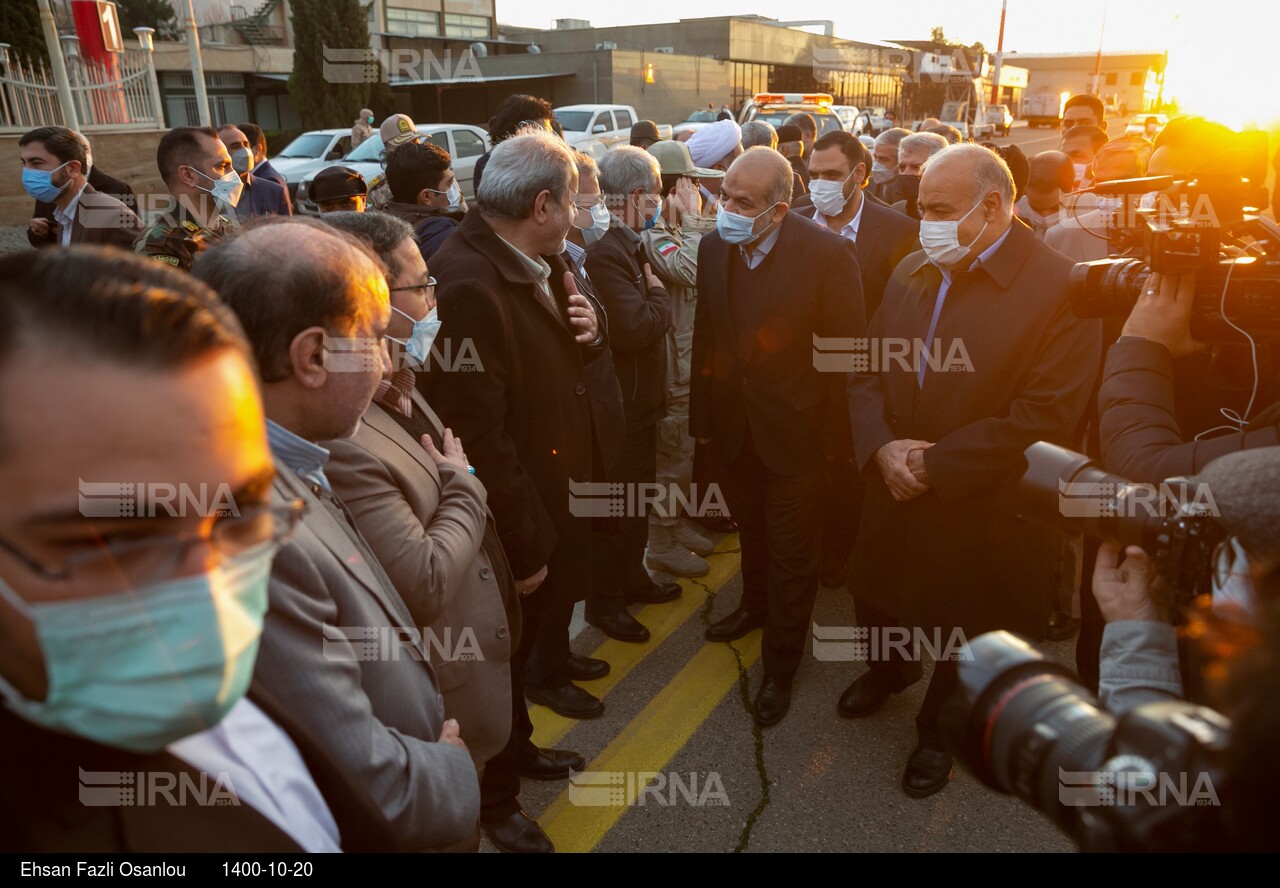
(681, 84)
(130, 157)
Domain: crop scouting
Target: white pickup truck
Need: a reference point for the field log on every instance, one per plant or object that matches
(610, 124)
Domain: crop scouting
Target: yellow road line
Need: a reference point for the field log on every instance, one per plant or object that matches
(651, 740)
(662, 620)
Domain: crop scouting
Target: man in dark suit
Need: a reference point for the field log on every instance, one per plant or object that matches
(524, 414)
(999, 362)
(314, 305)
(260, 197)
(769, 282)
(262, 168)
(149, 737)
(69, 210)
(838, 173)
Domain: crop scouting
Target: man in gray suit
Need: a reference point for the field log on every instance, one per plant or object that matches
(338, 642)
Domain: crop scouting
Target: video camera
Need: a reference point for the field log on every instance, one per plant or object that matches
(1186, 230)
(1174, 521)
(1146, 781)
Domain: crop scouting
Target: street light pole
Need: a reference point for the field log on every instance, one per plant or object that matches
(59, 66)
(197, 67)
(146, 41)
(995, 75)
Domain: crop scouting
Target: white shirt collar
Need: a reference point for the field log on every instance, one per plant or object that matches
(754, 254)
(850, 229)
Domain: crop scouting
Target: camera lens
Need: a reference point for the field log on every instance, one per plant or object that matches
(1106, 287)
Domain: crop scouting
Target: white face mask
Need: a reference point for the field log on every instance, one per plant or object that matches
(226, 190)
(242, 160)
(453, 192)
(941, 240)
(881, 173)
(599, 224)
(1081, 171)
(828, 197)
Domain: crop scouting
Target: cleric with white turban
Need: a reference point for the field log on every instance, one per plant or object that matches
(715, 147)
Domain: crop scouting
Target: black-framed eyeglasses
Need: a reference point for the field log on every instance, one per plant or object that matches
(429, 285)
(141, 562)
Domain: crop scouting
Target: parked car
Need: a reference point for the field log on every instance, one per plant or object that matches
(1000, 117)
(1146, 125)
(695, 121)
(610, 124)
(465, 144)
(851, 119)
(309, 153)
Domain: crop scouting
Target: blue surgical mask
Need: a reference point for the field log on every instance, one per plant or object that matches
(144, 668)
(39, 184)
(418, 345)
(735, 228)
(653, 220)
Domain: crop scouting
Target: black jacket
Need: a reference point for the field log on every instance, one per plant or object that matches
(524, 415)
(98, 181)
(1140, 435)
(767, 378)
(430, 226)
(639, 319)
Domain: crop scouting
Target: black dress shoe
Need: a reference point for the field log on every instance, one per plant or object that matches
(580, 668)
(833, 576)
(551, 764)
(734, 626)
(621, 626)
(928, 770)
(656, 593)
(772, 702)
(1062, 626)
(519, 834)
(565, 698)
(863, 697)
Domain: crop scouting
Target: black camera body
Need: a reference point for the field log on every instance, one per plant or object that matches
(1184, 232)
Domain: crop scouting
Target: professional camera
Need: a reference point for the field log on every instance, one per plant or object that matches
(1187, 229)
(1146, 781)
(1174, 521)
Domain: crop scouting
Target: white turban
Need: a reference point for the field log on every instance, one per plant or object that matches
(709, 145)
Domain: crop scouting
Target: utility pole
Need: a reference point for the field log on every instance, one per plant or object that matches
(995, 75)
(1097, 63)
(56, 61)
(197, 66)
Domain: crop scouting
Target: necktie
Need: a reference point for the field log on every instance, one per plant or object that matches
(928, 339)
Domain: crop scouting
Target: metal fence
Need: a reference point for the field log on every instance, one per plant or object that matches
(121, 96)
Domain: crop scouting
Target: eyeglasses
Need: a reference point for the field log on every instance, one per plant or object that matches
(429, 285)
(128, 565)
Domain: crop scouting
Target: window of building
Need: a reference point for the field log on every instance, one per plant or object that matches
(1111, 79)
(467, 143)
(457, 25)
(413, 22)
(1137, 78)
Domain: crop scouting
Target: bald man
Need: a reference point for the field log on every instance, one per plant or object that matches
(997, 362)
(770, 285)
(1051, 175)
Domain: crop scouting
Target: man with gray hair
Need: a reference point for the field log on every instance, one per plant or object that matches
(884, 167)
(1003, 363)
(759, 132)
(770, 284)
(913, 151)
(524, 414)
(639, 312)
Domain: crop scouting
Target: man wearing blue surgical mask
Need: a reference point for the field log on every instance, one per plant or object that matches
(639, 311)
(133, 577)
(204, 190)
(69, 210)
(976, 356)
(425, 193)
(766, 405)
(260, 197)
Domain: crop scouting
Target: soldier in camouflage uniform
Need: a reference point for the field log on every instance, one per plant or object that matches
(396, 130)
(202, 183)
(671, 246)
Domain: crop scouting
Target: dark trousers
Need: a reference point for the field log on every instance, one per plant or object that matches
(841, 512)
(500, 783)
(548, 610)
(778, 518)
(619, 558)
(1089, 642)
(895, 671)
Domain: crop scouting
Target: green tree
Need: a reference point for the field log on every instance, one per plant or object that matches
(20, 27)
(156, 14)
(332, 24)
